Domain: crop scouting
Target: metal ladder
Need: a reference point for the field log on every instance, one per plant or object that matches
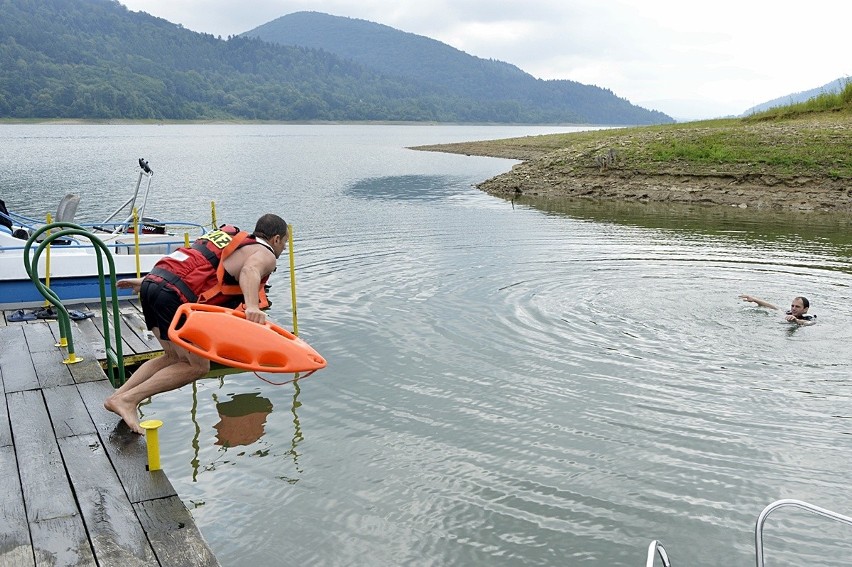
(656, 548)
(114, 355)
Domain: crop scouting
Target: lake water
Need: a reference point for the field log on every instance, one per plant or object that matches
(508, 384)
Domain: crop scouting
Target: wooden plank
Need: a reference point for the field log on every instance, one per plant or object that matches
(144, 343)
(44, 484)
(83, 346)
(40, 338)
(128, 333)
(126, 450)
(114, 530)
(89, 370)
(15, 546)
(137, 345)
(99, 324)
(62, 542)
(173, 533)
(46, 356)
(5, 429)
(18, 370)
(136, 323)
(89, 333)
(68, 412)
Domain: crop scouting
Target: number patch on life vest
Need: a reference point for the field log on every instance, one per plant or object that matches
(218, 238)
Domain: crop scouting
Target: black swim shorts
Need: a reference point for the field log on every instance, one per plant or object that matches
(159, 304)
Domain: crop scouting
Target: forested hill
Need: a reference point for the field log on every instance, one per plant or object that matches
(95, 59)
(426, 61)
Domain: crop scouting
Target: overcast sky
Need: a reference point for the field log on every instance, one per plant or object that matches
(686, 59)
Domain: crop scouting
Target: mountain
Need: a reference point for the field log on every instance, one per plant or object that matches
(834, 86)
(429, 63)
(95, 59)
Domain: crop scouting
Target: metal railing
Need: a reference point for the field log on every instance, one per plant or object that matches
(656, 548)
(114, 356)
(761, 519)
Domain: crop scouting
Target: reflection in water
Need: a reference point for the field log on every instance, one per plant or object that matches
(195, 446)
(242, 422)
(750, 225)
(406, 187)
(297, 430)
(241, 419)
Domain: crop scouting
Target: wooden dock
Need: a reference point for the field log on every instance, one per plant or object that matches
(77, 488)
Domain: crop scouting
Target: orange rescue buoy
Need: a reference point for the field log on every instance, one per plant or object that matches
(227, 337)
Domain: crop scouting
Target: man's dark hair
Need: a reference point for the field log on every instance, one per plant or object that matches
(270, 225)
(805, 302)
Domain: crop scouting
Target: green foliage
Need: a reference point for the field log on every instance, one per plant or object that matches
(95, 59)
(734, 145)
(834, 102)
(431, 64)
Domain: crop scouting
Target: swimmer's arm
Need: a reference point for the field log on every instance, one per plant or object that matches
(800, 322)
(760, 302)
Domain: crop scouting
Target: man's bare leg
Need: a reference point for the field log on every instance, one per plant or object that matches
(174, 369)
(144, 372)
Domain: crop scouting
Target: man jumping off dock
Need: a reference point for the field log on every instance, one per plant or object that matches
(224, 267)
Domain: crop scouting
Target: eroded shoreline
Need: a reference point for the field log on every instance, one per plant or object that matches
(571, 166)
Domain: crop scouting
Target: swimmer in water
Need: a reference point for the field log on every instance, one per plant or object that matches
(797, 313)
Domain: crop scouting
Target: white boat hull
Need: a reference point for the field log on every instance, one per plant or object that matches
(74, 274)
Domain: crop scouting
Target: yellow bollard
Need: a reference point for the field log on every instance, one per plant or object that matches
(292, 280)
(47, 262)
(72, 358)
(136, 242)
(152, 439)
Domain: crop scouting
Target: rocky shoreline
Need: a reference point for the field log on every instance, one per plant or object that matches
(569, 167)
(531, 180)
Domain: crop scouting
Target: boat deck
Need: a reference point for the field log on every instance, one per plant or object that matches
(77, 489)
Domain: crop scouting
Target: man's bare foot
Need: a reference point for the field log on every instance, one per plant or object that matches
(126, 411)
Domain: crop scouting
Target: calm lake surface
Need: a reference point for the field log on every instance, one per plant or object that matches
(508, 384)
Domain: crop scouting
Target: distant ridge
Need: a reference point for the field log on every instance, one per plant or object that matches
(431, 64)
(834, 86)
(97, 60)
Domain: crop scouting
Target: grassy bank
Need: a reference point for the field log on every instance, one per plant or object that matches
(784, 151)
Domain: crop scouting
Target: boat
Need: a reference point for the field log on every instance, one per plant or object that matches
(135, 246)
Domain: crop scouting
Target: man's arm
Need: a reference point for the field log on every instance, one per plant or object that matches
(760, 302)
(255, 268)
(800, 322)
(131, 283)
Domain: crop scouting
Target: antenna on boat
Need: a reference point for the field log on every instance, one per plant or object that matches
(144, 165)
(145, 171)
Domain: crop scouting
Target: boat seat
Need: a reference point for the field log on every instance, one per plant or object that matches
(67, 208)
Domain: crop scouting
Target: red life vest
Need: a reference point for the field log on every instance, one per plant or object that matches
(198, 273)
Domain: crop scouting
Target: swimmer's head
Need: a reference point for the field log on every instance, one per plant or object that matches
(799, 306)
